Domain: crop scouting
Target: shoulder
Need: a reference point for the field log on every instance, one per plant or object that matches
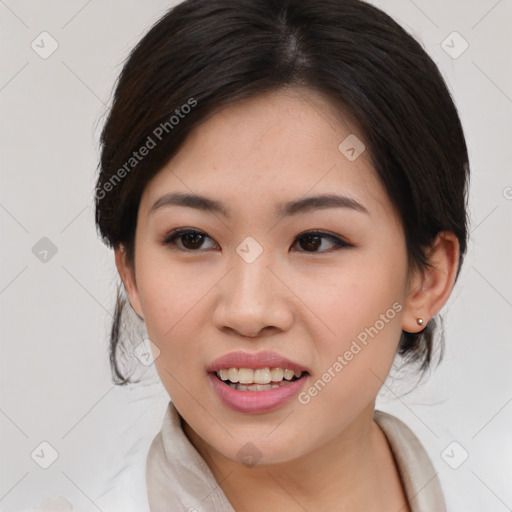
(419, 477)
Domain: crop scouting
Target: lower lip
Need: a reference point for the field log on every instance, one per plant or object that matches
(256, 401)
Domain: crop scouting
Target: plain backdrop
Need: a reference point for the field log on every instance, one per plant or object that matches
(57, 281)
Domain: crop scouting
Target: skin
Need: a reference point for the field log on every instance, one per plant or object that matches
(305, 303)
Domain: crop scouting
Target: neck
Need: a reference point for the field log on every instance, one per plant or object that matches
(353, 471)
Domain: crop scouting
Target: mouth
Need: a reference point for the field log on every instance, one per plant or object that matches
(261, 390)
(260, 379)
(256, 382)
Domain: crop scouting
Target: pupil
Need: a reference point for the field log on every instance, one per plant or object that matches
(196, 240)
(312, 242)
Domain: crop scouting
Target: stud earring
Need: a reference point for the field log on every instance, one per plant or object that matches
(420, 321)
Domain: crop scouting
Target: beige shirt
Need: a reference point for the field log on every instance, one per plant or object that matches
(178, 479)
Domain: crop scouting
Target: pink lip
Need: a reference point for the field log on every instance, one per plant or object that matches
(256, 401)
(264, 359)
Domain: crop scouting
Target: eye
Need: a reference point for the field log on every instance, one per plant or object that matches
(189, 239)
(192, 240)
(311, 241)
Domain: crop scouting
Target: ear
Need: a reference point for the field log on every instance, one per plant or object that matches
(127, 274)
(430, 288)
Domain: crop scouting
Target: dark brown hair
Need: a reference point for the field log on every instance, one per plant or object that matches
(204, 54)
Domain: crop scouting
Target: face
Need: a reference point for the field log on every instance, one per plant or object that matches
(321, 283)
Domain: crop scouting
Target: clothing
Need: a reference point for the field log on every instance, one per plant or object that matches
(178, 479)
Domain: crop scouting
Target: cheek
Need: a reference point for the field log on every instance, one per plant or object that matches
(356, 296)
(354, 362)
(361, 308)
(169, 290)
(369, 308)
(168, 296)
(169, 303)
(176, 302)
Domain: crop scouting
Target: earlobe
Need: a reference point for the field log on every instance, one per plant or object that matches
(430, 287)
(127, 275)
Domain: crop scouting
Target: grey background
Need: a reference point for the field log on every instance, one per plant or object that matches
(55, 309)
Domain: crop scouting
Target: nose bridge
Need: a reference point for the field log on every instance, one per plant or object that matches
(250, 299)
(250, 284)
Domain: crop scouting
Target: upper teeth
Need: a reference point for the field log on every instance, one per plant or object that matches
(259, 376)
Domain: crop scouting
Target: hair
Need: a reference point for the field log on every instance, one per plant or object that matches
(205, 54)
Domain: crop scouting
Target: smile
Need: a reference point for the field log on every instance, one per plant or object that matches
(260, 379)
(283, 385)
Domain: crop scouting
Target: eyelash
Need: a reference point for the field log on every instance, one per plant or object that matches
(171, 238)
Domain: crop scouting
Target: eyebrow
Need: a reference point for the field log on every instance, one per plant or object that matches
(295, 207)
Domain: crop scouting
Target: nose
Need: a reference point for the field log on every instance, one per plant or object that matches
(253, 301)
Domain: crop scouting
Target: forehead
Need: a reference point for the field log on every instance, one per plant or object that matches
(281, 145)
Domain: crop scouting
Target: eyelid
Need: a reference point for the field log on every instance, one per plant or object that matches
(338, 241)
(175, 234)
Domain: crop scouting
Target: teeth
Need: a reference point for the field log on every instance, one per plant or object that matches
(233, 375)
(262, 376)
(288, 374)
(254, 387)
(277, 374)
(246, 376)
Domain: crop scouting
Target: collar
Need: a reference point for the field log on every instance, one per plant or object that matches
(178, 478)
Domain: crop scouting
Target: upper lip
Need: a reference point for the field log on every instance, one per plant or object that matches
(255, 360)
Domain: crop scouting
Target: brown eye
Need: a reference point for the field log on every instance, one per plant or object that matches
(192, 240)
(312, 241)
(186, 239)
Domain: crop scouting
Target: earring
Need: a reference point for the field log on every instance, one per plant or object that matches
(420, 321)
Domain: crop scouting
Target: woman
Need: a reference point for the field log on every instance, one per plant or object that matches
(284, 185)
